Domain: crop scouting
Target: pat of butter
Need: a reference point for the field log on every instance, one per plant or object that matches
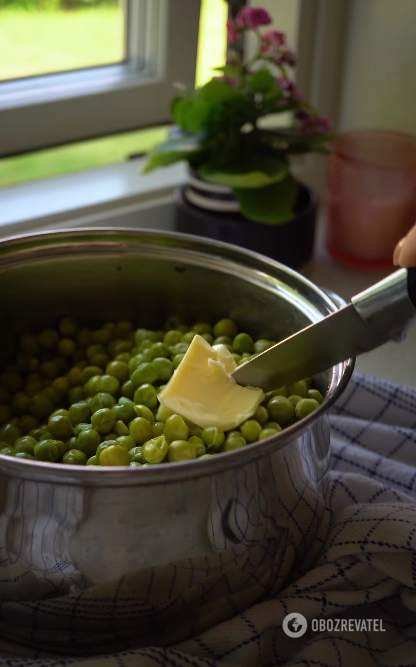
(203, 391)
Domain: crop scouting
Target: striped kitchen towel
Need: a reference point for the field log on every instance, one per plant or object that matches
(356, 605)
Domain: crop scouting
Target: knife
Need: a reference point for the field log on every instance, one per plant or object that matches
(379, 314)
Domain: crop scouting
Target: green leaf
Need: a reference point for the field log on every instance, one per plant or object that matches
(199, 116)
(257, 171)
(179, 110)
(172, 151)
(216, 92)
(273, 205)
(228, 70)
(262, 81)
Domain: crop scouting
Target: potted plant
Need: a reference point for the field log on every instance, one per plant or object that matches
(240, 186)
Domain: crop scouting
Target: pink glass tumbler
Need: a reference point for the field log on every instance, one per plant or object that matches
(371, 199)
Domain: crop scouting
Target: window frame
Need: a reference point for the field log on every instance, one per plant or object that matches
(54, 109)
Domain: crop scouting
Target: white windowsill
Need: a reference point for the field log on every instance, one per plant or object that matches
(57, 200)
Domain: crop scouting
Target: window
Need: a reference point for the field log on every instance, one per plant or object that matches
(155, 46)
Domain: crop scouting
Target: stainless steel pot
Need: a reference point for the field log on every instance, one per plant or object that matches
(254, 511)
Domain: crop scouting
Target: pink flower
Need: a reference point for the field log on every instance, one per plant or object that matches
(285, 57)
(231, 31)
(274, 37)
(253, 17)
(313, 124)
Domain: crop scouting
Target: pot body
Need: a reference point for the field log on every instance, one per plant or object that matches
(211, 211)
(249, 513)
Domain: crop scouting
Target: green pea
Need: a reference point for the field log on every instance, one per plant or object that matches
(181, 450)
(172, 337)
(75, 457)
(127, 389)
(158, 429)
(243, 343)
(261, 415)
(143, 411)
(20, 403)
(155, 450)
(223, 340)
(294, 399)
(60, 427)
(144, 334)
(36, 434)
(40, 406)
(233, 443)
(124, 357)
(93, 385)
(251, 430)
(6, 413)
(188, 337)
(71, 443)
(124, 328)
(27, 423)
(262, 345)
(198, 444)
(53, 394)
(61, 384)
(233, 434)
(225, 327)
(144, 346)
(48, 339)
(305, 407)
(176, 429)
(268, 433)
(164, 368)
(7, 451)
(66, 347)
(102, 400)
(127, 441)
(46, 450)
(120, 428)
(114, 455)
(135, 362)
(103, 421)
(179, 348)
(79, 413)
(119, 370)
(9, 433)
(81, 427)
(109, 385)
(93, 461)
(124, 412)
(68, 327)
(315, 394)
(177, 360)
(83, 338)
(158, 350)
(29, 344)
(214, 438)
(24, 455)
(5, 396)
(136, 454)
(89, 372)
(106, 443)
(88, 441)
(146, 395)
(281, 410)
(281, 391)
(194, 429)
(60, 412)
(25, 444)
(144, 374)
(141, 430)
(123, 400)
(298, 389)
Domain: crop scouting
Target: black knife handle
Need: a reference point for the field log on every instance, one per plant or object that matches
(411, 285)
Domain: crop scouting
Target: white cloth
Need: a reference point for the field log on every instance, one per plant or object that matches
(366, 570)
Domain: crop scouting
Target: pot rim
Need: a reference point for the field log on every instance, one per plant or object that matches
(26, 245)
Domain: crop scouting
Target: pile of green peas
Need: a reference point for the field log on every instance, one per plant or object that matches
(90, 397)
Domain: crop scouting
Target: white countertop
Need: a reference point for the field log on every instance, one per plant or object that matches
(393, 361)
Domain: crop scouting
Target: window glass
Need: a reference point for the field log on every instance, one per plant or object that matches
(47, 36)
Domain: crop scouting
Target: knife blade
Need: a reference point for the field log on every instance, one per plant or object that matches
(370, 320)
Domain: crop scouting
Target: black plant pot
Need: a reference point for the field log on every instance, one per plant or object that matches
(290, 243)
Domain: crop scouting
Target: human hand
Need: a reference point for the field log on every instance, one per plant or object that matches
(405, 251)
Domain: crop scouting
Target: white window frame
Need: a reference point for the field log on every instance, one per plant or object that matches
(44, 111)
